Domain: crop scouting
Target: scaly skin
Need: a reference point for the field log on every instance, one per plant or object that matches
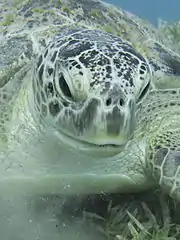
(161, 127)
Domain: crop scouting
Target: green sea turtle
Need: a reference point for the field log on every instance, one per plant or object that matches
(85, 100)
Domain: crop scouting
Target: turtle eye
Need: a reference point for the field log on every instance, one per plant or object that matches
(64, 87)
(144, 91)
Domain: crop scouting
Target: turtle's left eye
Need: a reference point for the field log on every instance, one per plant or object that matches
(64, 87)
(144, 91)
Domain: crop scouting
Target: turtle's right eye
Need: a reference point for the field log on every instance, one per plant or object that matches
(64, 87)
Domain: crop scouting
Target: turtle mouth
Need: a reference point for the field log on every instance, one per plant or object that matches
(105, 145)
(108, 143)
(104, 148)
(69, 139)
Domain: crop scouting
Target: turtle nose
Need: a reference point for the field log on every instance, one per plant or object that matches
(118, 101)
(116, 97)
(120, 117)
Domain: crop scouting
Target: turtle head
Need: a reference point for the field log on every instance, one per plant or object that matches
(87, 84)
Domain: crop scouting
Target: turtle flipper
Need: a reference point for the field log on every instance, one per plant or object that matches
(13, 67)
(165, 65)
(164, 161)
(166, 60)
(15, 54)
(159, 120)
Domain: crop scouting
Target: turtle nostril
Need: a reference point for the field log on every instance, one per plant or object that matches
(108, 102)
(121, 102)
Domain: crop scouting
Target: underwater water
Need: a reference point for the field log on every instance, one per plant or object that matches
(22, 218)
(151, 10)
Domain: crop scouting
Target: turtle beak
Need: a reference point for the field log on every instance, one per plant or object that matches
(102, 125)
(97, 125)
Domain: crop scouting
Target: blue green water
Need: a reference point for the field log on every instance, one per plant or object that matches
(151, 10)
